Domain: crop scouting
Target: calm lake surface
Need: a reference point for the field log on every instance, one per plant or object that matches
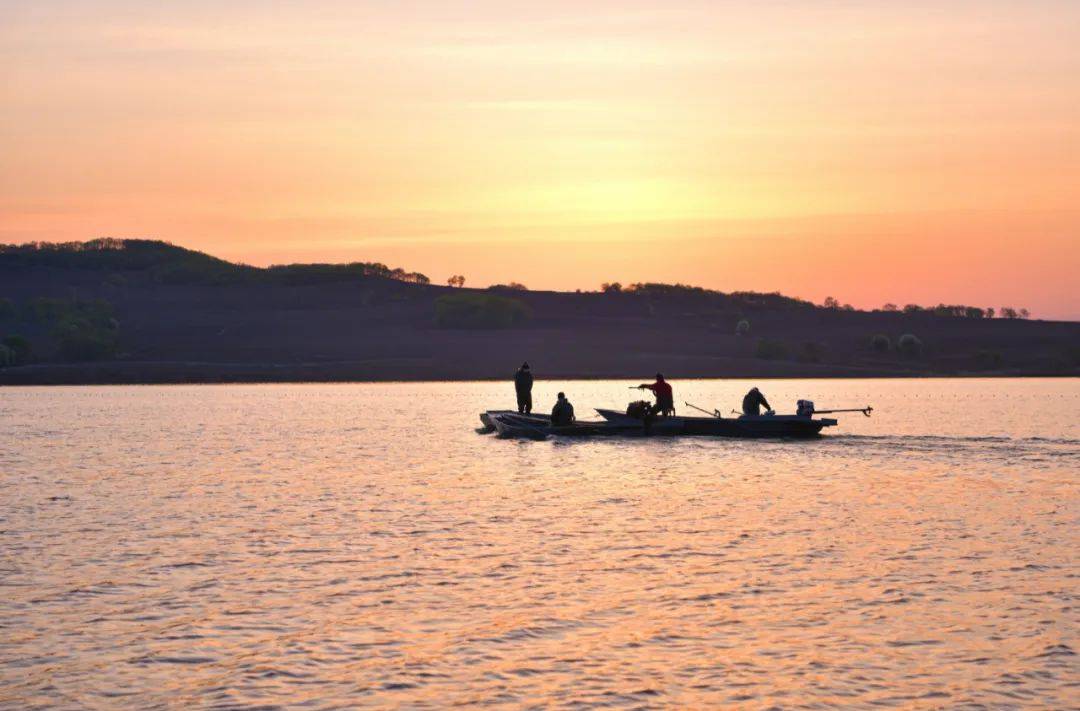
(323, 546)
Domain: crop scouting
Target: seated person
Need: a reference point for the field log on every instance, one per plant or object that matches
(563, 412)
(751, 404)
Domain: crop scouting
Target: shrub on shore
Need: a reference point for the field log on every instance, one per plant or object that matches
(88, 331)
(480, 311)
(18, 347)
(910, 345)
(881, 343)
(742, 328)
(769, 349)
(82, 340)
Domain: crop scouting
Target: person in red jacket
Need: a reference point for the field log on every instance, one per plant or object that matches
(665, 398)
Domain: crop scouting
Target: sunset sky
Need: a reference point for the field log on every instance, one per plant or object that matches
(870, 150)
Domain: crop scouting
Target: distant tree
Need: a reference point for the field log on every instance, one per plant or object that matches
(974, 312)
(847, 307)
(881, 343)
(456, 280)
(512, 286)
(890, 308)
(831, 303)
(82, 339)
(909, 345)
(1008, 312)
(1024, 313)
(958, 311)
(19, 347)
(913, 309)
(768, 349)
(44, 309)
(742, 328)
(990, 312)
(611, 288)
(83, 329)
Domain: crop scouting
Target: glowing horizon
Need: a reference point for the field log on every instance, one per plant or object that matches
(863, 150)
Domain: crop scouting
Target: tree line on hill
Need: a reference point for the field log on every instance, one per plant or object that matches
(947, 310)
(775, 300)
(169, 264)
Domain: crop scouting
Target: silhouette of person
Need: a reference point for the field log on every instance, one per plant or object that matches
(563, 412)
(665, 398)
(752, 402)
(523, 382)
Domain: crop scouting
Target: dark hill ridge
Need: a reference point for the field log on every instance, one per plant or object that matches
(147, 311)
(165, 263)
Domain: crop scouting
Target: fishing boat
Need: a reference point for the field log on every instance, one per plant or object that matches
(801, 425)
(794, 426)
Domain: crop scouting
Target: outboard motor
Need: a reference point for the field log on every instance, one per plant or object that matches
(804, 408)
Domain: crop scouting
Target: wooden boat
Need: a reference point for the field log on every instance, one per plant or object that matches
(742, 426)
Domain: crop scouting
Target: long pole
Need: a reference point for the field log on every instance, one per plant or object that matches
(714, 413)
(864, 410)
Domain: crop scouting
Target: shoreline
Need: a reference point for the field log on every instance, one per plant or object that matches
(196, 373)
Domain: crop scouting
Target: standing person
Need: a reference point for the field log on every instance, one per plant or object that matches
(523, 382)
(563, 412)
(665, 398)
(751, 404)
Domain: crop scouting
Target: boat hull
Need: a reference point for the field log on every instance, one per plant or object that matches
(779, 426)
(539, 427)
(488, 418)
(509, 423)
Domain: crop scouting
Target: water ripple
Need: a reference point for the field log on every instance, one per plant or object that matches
(329, 546)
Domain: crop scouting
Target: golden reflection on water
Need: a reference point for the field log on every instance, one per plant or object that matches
(361, 545)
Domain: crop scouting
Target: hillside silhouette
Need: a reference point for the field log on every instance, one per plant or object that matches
(149, 311)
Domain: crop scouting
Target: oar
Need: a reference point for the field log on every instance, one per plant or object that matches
(714, 413)
(864, 410)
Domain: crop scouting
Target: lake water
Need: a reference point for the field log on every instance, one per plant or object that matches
(330, 546)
